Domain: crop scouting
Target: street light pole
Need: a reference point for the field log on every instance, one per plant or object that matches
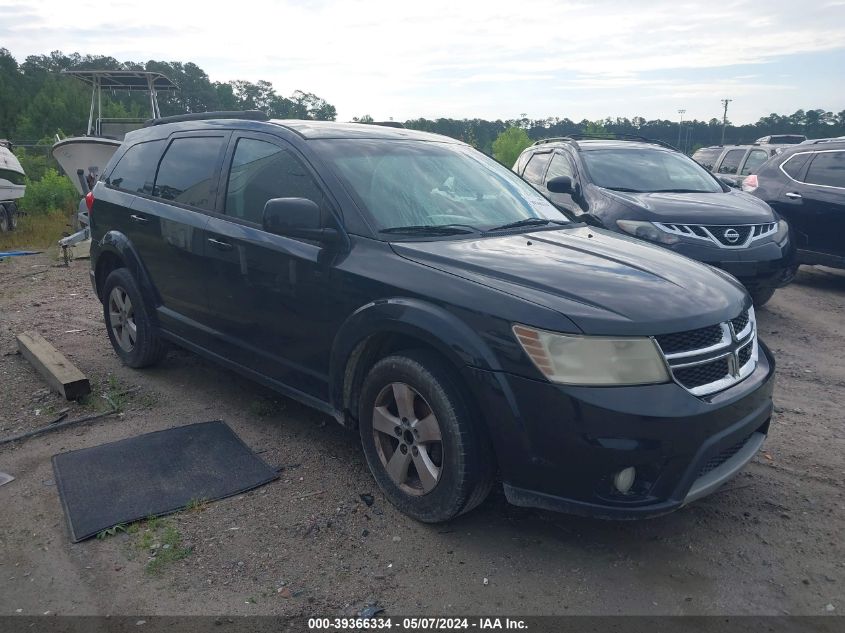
(680, 124)
(725, 103)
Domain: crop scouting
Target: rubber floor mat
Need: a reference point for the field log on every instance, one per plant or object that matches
(154, 474)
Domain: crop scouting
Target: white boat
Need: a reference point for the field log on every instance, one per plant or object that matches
(12, 185)
(83, 157)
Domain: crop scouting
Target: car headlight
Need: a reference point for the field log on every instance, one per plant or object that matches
(593, 360)
(782, 232)
(646, 231)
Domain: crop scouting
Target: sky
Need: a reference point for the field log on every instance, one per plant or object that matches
(432, 58)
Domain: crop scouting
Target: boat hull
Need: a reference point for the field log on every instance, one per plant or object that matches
(12, 184)
(88, 153)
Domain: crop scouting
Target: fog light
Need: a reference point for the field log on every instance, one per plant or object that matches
(624, 479)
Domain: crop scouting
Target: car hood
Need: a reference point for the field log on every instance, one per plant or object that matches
(604, 283)
(732, 207)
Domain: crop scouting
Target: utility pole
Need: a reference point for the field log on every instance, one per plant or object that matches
(725, 103)
(680, 124)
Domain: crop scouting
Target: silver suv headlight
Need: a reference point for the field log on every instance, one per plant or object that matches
(593, 360)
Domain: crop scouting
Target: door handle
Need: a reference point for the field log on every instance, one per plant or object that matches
(223, 246)
(140, 219)
(793, 195)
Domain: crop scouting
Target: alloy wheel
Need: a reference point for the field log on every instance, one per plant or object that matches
(408, 439)
(122, 319)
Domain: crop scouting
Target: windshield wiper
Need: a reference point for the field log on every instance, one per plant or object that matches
(681, 191)
(625, 189)
(525, 222)
(431, 229)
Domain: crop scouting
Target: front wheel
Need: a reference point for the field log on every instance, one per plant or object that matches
(4, 220)
(761, 296)
(423, 443)
(129, 321)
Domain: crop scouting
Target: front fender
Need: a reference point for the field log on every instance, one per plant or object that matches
(426, 321)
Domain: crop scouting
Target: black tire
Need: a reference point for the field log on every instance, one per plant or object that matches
(146, 347)
(12, 212)
(466, 464)
(4, 219)
(761, 296)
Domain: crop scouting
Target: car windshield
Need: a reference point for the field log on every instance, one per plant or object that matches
(424, 187)
(647, 170)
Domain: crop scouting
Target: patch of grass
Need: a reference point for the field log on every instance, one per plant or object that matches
(112, 531)
(169, 551)
(196, 505)
(163, 540)
(36, 231)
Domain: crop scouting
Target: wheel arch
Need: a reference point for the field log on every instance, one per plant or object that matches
(117, 251)
(383, 327)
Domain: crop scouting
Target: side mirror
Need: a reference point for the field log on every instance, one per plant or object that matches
(560, 184)
(730, 182)
(296, 217)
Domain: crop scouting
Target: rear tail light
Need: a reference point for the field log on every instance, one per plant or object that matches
(89, 202)
(750, 183)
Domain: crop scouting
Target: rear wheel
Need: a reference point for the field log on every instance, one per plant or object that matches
(129, 321)
(12, 213)
(4, 219)
(423, 443)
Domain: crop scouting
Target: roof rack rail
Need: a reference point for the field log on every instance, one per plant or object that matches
(574, 138)
(249, 115)
(395, 124)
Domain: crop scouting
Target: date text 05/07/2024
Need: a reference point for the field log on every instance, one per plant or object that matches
(416, 624)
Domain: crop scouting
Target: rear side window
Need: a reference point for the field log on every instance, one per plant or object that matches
(795, 165)
(536, 167)
(827, 168)
(520, 162)
(707, 157)
(261, 171)
(186, 173)
(137, 167)
(730, 163)
(756, 158)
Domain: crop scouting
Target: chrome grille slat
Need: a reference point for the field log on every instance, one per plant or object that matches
(716, 233)
(705, 366)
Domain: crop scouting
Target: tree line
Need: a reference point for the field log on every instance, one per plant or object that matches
(36, 102)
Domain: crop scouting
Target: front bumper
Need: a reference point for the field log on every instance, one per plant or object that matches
(558, 446)
(763, 265)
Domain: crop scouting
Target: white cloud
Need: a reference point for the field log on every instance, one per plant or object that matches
(491, 59)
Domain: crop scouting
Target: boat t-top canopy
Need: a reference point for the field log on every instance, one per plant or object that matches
(123, 79)
(120, 80)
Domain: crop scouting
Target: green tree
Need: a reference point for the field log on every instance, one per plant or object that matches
(509, 144)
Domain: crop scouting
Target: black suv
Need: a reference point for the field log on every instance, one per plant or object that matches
(652, 191)
(413, 288)
(806, 185)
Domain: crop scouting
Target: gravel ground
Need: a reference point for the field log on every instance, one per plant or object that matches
(770, 542)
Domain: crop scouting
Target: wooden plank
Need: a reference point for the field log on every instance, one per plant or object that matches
(58, 371)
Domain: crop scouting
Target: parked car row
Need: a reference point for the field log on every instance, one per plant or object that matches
(418, 291)
(806, 185)
(733, 163)
(655, 193)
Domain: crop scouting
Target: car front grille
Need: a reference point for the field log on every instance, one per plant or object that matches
(692, 339)
(722, 235)
(713, 358)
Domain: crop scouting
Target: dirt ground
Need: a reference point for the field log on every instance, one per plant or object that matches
(770, 542)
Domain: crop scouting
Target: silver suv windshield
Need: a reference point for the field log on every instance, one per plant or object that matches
(434, 188)
(647, 170)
